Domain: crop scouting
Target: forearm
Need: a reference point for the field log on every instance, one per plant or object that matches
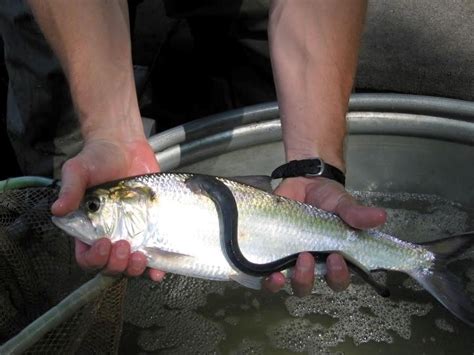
(314, 46)
(92, 41)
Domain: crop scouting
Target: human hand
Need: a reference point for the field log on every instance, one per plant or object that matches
(331, 196)
(101, 160)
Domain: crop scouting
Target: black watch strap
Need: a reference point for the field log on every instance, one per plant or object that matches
(309, 168)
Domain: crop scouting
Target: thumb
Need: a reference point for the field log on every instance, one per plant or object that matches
(358, 216)
(75, 177)
(332, 196)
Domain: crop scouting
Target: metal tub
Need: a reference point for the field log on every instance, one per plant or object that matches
(413, 155)
(395, 143)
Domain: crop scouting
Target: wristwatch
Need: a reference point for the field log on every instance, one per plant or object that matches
(309, 168)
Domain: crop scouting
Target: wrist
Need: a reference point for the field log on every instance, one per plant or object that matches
(315, 135)
(330, 156)
(113, 115)
(118, 128)
(314, 167)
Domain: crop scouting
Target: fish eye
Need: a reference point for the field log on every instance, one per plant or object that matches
(93, 204)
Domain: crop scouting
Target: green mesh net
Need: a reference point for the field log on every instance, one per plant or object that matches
(38, 270)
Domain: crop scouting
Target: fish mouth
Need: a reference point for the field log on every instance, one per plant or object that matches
(78, 225)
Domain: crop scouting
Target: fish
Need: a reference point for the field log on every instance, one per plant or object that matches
(178, 230)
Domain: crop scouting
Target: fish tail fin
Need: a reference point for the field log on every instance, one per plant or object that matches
(446, 287)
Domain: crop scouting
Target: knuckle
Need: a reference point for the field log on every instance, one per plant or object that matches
(344, 200)
(72, 165)
(135, 268)
(94, 263)
(76, 166)
(114, 268)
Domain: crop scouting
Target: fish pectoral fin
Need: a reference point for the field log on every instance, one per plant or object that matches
(261, 182)
(181, 264)
(364, 273)
(249, 281)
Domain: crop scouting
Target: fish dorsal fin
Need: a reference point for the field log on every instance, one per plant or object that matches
(261, 182)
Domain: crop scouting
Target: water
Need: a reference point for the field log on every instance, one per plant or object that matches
(186, 315)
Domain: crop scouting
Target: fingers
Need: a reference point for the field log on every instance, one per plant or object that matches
(337, 277)
(136, 264)
(274, 282)
(113, 259)
(73, 184)
(302, 279)
(94, 257)
(360, 217)
(118, 260)
(156, 275)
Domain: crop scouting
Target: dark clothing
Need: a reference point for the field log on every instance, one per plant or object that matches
(41, 122)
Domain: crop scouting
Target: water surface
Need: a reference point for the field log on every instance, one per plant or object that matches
(186, 315)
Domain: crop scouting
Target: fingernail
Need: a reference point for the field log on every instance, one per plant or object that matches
(135, 261)
(271, 284)
(121, 252)
(103, 248)
(302, 264)
(57, 205)
(135, 257)
(334, 264)
(157, 277)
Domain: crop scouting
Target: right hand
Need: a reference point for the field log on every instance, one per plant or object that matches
(101, 160)
(331, 196)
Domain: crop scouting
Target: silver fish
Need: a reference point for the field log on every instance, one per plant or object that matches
(178, 231)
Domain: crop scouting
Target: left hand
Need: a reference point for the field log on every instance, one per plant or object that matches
(103, 160)
(331, 196)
